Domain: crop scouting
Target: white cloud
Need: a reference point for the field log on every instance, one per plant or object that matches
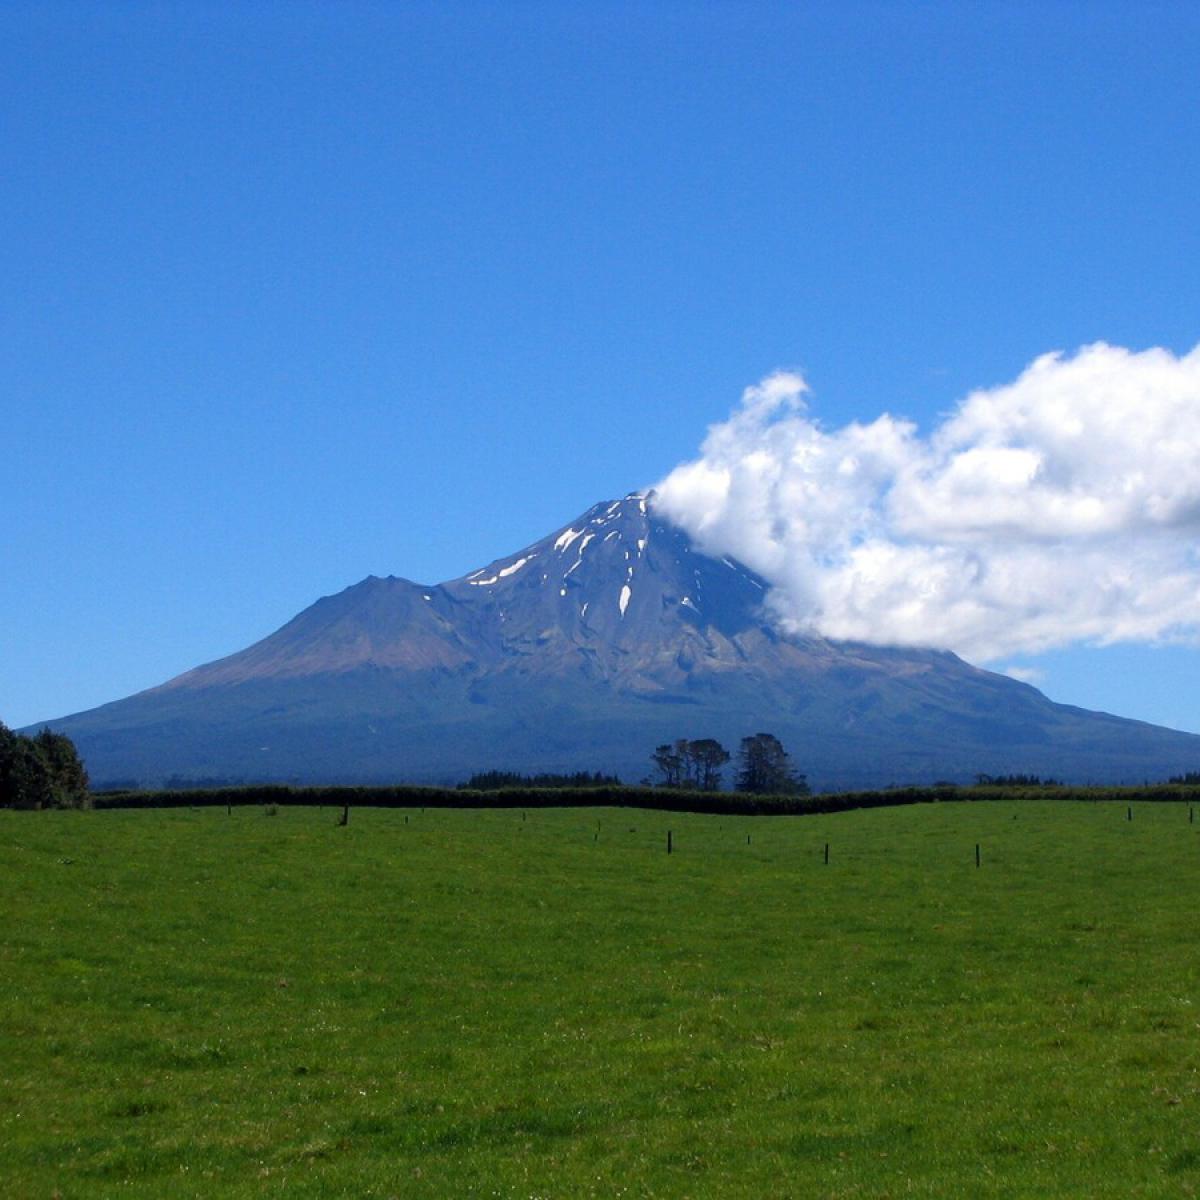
(1063, 507)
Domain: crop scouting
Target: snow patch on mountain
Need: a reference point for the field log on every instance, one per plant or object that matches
(503, 573)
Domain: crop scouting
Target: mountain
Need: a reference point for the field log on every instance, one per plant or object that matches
(584, 651)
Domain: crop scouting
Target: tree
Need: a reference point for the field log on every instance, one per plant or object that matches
(669, 762)
(12, 768)
(693, 764)
(708, 757)
(764, 767)
(41, 772)
(65, 774)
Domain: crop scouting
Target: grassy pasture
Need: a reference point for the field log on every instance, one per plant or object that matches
(462, 1003)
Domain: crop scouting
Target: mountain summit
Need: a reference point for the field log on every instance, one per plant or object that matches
(584, 651)
(612, 595)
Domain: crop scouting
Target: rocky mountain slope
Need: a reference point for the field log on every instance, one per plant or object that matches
(584, 651)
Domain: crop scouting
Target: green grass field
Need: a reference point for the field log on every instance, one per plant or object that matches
(473, 1004)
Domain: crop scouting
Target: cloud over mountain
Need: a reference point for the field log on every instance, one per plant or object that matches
(1062, 507)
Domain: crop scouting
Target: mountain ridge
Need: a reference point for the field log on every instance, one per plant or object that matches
(584, 650)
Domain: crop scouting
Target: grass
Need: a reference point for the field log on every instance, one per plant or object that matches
(459, 1003)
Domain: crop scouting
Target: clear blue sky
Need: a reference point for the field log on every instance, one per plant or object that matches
(296, 293)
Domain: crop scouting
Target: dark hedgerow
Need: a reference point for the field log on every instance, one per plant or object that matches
(673, 800)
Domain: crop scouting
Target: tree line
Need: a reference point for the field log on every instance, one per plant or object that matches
(43, 771)
(763, 766)
(495, 781)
